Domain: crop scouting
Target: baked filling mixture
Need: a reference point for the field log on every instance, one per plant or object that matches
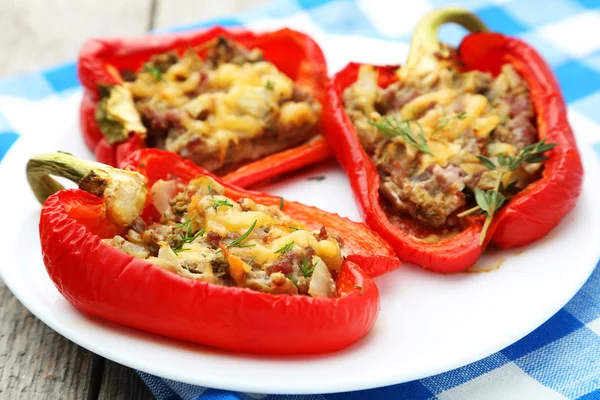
(220, 110)
(446, 143)
(207, 236)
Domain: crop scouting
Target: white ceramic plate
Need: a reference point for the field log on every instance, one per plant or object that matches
(428, 323)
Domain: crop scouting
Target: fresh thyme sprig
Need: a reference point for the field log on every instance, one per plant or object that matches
(287, 247)
(238, 242)
(188, 236)
(306, 268)
(392, 127)
(154, 71)
(221, 203)
(490, 201)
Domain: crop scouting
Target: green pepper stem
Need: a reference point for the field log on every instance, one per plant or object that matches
(39, 169)
(425, 39)
(124, 192)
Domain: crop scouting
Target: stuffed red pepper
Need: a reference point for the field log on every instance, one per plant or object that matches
(457, 148)
(173, 250)
(223, 99)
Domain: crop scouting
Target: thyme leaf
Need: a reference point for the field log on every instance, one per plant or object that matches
(305, 267)
(490, 201)
(287, 247)
(221, 203)
(154, 71)
(392, 127)
(238, 242)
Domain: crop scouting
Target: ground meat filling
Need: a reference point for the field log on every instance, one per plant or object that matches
(222, 109)
(461, 115)
(207, 236)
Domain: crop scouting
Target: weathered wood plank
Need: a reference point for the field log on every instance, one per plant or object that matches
(122, 383)
(36, 362)
(38, 33)
(178, 12)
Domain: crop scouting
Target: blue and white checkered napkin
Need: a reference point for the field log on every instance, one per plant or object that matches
(561, 359)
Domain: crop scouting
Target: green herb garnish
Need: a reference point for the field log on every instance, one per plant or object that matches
(294, 228)
(490, 201)
(392, 127)
(154, 71)
(281, 203)
(221, 203)
(291, 278)
(238, 242)
(317, 178)
(362, 289)
(287, 247)
(306, 268)
(187, 223)
(188, 236)
(269, 85)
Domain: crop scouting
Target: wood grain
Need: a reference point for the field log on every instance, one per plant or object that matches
(181, 12)
(36, 362)
(38, 33)
(122, 383)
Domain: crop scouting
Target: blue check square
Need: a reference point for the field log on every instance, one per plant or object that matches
(334, 18)
(499, 20)
(537, 12)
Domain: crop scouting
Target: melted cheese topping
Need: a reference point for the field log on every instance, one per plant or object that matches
(261, 247)
(238, 218)
(237, 99)
(433, 114)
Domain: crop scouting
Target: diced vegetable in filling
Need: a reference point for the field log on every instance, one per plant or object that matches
(208, 236)
(441, 138)
(220, 111)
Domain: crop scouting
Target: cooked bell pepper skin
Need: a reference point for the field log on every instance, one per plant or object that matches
(108, 283)
(533, 212)
(309, 153)
(293, 53)
(527, 217)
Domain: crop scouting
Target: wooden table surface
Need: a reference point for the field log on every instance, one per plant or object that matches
(35, 361)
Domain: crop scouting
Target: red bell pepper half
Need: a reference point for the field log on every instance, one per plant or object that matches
(529, 215)
(293, 53)
(106, 282)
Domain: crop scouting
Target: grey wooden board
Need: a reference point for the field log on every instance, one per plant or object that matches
(36, 362)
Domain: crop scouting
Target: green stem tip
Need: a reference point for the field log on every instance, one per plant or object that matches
(124, 192)
(425, 39)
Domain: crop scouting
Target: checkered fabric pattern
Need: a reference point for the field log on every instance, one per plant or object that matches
(559, 360)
